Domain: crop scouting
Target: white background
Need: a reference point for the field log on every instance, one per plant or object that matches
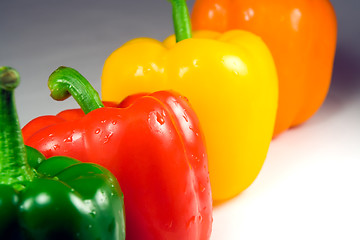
(309, 185)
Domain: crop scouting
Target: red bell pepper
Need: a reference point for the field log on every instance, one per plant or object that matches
(152, 143)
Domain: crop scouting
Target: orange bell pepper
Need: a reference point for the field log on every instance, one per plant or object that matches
(301, 35)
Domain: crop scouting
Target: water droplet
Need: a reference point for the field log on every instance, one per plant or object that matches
(93, 213)
(193, 130)
(191, 221)
(176, 103)
(185, 98)
(97, 131)
(68, 139)
(103, 121)
(185, 116)
(201, 187)
(107, 137)
(200, 219)
(113, 122)
(160, 118)
(56, 147)
(51, 134)
(196, 158)
(169, 225)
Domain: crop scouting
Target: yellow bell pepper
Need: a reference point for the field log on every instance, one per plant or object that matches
(230, 81)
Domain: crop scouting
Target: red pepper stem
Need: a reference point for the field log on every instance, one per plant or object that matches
(65, 82)
(14, 168)
(181, 19)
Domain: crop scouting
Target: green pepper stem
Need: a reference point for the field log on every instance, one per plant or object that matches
(65, 82)
(181, 19)
(14, 168)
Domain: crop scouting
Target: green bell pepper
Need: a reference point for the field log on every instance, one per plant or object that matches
(57, 198)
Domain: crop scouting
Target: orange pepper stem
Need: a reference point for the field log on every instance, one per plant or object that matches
(181, 20)
(65, 82)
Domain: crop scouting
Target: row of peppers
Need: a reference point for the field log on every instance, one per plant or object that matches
(241, 87)
(246, 86)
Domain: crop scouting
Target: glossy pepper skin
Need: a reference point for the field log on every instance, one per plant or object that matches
(301, 35)
(152, 143)
(57, 198)
(229, 79)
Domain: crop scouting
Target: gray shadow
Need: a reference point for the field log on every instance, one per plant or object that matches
(346, 73)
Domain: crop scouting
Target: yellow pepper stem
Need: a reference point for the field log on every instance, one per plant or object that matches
(181, 19)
